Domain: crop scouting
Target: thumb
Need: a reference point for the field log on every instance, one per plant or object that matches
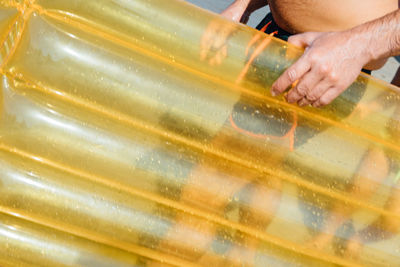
(304, 39)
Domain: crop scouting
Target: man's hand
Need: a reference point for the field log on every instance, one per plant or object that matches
(330, 63)
(213, 42)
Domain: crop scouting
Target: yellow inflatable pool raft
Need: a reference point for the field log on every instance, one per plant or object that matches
(128, 139)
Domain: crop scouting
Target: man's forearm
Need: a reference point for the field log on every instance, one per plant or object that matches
(256, 4)
(333, 60)
(250, 5)
(381, 36)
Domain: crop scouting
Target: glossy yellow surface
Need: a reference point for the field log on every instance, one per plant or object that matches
(120, 146)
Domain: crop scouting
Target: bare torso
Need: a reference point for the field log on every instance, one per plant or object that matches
(298, 16)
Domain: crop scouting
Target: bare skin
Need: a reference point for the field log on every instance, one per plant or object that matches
(336, 37)
(333, 60)
(301, 16)
(322, 16)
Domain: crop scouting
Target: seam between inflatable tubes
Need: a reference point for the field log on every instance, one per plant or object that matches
(24, 15)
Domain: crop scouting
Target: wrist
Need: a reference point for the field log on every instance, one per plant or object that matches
(364, 44)
(380, 38)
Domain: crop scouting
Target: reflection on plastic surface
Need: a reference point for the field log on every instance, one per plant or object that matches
(123, 143)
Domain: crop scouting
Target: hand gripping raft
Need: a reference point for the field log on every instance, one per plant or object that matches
(125, 141)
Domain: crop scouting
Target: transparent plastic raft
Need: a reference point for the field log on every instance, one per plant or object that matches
(123, 144)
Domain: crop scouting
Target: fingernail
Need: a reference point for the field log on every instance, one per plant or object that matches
(273, 93)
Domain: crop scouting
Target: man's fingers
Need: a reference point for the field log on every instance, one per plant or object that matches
(303, 39)
(219, 57)
(313, 96)
(318, 91)
(224, 51)
(303, 88)
(327, 97)
(208, 39)
(304, 102)
(292, 74)
(335, 88)
(205, 39)
(299, 40)
(205, 45)
(294, 95)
